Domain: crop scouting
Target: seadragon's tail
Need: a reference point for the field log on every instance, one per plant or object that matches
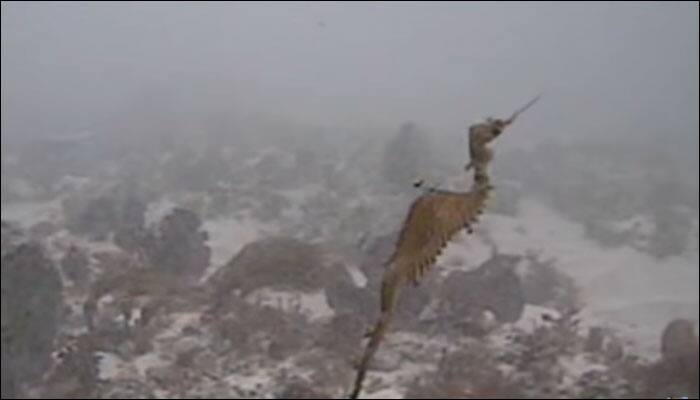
(391, 285)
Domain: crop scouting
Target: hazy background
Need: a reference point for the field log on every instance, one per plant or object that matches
(606, 69)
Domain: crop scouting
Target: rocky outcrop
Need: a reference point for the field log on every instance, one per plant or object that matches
(276, 262)
(180, 247)
(31, 306)
(494, 286)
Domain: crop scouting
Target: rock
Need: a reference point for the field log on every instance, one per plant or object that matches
(148, 290)
(135, 240)
(544, 285)
(180, 247)
(300, 390)
(678, 340)
(42, 230)
(386, 361)
(676, 373)
(494, 286)
(376, 251)
(343, 333)
(75, 373)
(100, 215)
(31, 303)
(75, 266)
(411, 305)
(343, 295)
(127, 389)
(614, 350)
(269, 206)
(276, 262)
(11, 237)
(594, 341)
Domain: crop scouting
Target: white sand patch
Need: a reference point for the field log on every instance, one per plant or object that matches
(261, 381)
(148, 361)
(313, 305)
(613, 281)
(301, 194)
(534, 316)
(284, 158)
(465, 252)
(576, 366)
(180, 321)
(111, 367)
(71, 183)
(388, 393)
(63, 239)
(263, 378)
(27, 214)
(358, 277)
(158, 209)
(385, 385)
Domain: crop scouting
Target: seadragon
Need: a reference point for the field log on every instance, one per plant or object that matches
(433, 219)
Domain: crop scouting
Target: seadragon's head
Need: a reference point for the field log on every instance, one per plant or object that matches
(497, 125)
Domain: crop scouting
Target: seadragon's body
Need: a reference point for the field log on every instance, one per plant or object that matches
(433, 220)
